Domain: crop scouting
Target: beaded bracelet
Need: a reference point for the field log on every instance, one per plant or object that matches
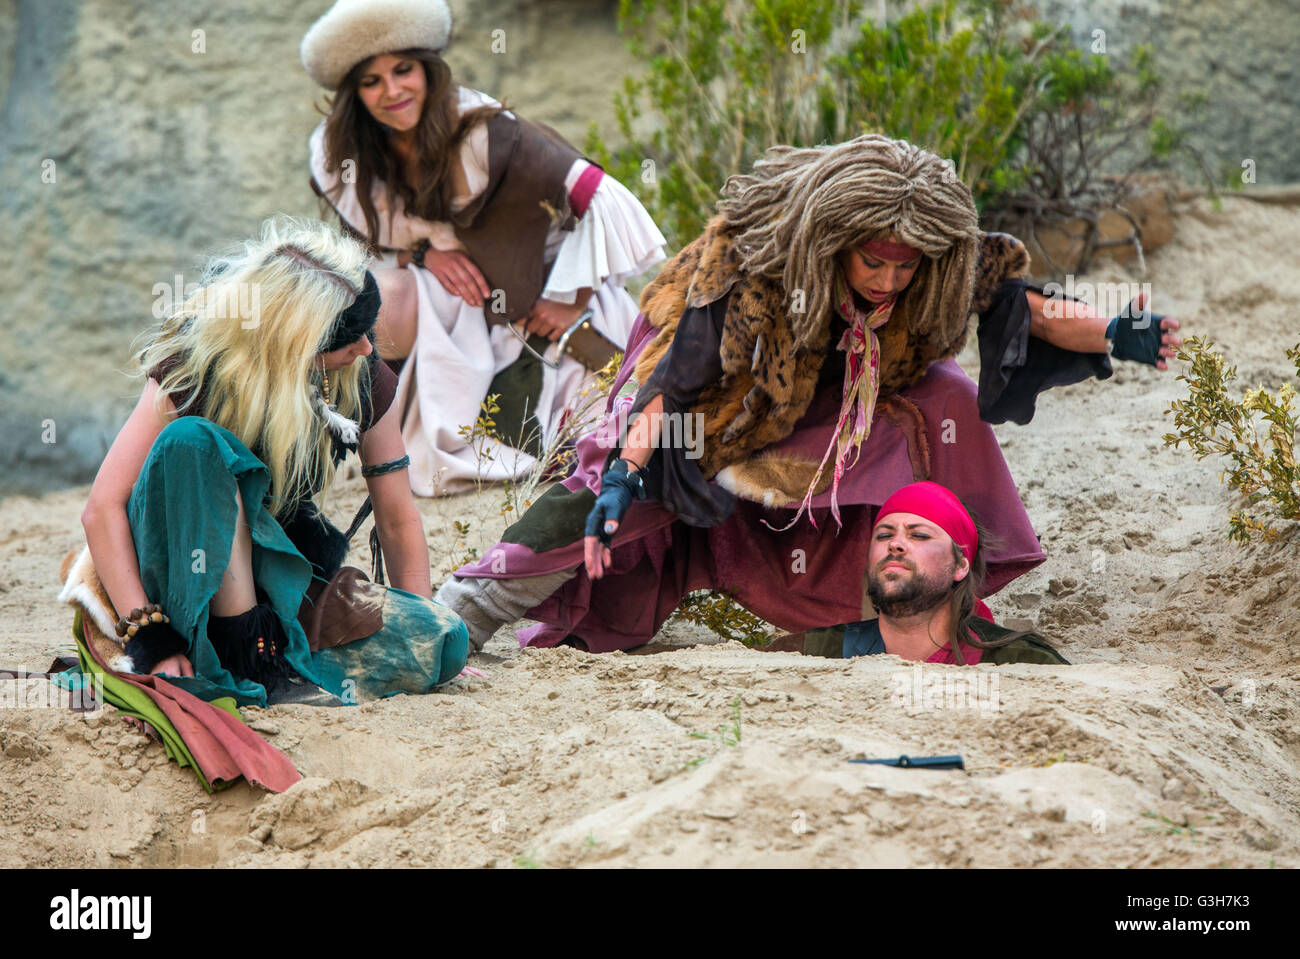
(128, 626)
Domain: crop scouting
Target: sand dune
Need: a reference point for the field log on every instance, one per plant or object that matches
(1174, 741)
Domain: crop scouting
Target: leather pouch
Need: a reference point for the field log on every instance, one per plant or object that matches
(347, 608)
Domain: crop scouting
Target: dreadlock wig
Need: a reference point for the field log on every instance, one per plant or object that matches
(774, 251)
(801, 207)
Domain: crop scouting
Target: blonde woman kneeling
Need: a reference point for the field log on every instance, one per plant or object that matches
(205, 504)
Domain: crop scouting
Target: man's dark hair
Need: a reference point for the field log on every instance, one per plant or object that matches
(965, 592)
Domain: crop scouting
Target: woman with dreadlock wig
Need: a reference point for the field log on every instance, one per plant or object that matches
(791, 368)
(202, 521)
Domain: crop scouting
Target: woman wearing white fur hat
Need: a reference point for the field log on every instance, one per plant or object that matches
(494, 225)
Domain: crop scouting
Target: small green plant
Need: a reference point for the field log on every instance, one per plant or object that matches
(491, 446)
(1171, 828)
(468, 554)
(722, 615)
(556, 457)
(1262, 462)
(484, 427)
(527, 861)
(728, 735)
(725, 735)
(508, 503)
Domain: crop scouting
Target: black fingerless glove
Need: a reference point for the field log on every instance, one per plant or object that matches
(152, 643)
(417, 254)
(618, 487)
(1136, 336)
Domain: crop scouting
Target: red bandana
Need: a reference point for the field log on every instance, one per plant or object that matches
(888, 250)
(938, 505)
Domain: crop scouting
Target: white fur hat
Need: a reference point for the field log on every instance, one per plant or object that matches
(356, 30)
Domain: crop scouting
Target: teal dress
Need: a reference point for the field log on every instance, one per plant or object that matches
(182, 513)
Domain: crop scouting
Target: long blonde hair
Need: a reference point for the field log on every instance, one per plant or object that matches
(802, 206)
(245, 345)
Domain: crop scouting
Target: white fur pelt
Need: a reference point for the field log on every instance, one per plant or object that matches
(346, 431)
(83, 590)
(356, 30)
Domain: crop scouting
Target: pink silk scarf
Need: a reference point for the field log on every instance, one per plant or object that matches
(861, 386)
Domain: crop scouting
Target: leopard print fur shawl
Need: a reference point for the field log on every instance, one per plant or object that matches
(768, 382)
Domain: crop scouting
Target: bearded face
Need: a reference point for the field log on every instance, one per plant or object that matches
(911, 567)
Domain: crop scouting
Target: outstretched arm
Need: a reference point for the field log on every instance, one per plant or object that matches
(108, 533)
(641, 444)
(1075, 326)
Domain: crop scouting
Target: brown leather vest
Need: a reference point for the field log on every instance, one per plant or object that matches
(504, 228)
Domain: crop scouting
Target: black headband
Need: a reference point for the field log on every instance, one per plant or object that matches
(358, 319)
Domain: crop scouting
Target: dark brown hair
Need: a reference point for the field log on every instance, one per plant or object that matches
(964, 594)
(352, 133)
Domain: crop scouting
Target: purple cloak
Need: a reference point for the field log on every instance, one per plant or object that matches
(803, 578)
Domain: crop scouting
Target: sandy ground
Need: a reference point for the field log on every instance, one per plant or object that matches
(1173, 741)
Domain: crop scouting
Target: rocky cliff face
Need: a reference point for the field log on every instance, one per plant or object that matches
(1240, 53)
(134, 138)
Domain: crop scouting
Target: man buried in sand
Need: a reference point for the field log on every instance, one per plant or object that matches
(925, 566)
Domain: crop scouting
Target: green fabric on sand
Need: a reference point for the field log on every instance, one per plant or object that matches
(134, 702)
(182, 513)
(560, 522)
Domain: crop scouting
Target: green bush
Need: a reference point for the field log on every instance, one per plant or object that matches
(1262, 465)
(720, 614)
(1098, 122)
(982, 82)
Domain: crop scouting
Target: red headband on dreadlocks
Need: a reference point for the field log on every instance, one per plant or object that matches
(889, 250)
